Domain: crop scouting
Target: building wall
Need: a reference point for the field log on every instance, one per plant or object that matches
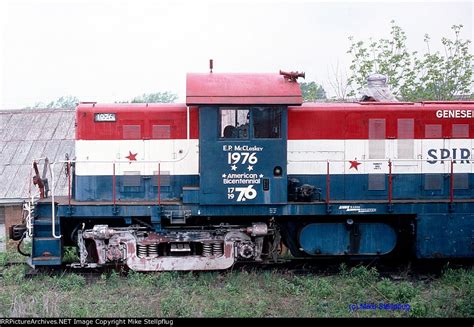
(13, 216)
(2, 229)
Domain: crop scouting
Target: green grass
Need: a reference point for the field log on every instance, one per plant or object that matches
(233, 294)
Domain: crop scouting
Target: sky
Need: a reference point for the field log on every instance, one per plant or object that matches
(108, 51)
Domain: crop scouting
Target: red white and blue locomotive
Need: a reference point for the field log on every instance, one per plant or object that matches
(244, 165)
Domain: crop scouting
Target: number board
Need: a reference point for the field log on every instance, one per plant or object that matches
(104, 117)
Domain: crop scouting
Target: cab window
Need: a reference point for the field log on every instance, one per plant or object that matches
(266, 122)
(234, 123)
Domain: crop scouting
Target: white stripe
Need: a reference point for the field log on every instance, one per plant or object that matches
(145, 150)
(308, 157)
(304, 156)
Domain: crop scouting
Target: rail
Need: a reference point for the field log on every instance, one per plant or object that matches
(29, 209)
(390, 164)
(114, 163)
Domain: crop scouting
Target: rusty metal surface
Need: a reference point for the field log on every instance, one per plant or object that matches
(29, 134)
(126, 244)
(185, 263)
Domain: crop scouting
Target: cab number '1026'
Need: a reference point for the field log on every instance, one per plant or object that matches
(242, 157)
(104, 117)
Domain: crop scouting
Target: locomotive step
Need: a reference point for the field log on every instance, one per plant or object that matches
(46, 258)
(47, 238)
(46, 261)
(45, 221)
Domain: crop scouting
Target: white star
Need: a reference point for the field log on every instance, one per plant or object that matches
(261, 176)
(233, 167)
(224, 175)
(250, 168)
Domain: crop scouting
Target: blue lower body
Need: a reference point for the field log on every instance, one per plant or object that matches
(404, 186)
(342, 187)
(100, 188)
(435, 228)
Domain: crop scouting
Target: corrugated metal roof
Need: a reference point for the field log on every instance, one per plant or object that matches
(29, 134)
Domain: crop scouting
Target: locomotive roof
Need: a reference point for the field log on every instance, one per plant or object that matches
(339, 106)
(138, 107)
(385, 106)
(239, 88)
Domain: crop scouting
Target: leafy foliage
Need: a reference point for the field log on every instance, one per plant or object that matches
(312, 91)
(67, 101)
(431, 76)
(70, 101)
(158, 97)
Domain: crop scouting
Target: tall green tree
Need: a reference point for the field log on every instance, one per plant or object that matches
(414, 77)
(158, 97)
(312, 91)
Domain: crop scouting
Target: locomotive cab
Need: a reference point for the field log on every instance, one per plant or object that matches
(243, 154)
(242, 136)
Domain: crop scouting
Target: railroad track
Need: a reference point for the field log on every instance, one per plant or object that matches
(392, 269)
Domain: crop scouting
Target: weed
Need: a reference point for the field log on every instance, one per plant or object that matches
(232, 294)
(456, 277)
(70, 254)
(3, 259)
(112, 279)
(232, 288)
(419, 308)
(70, 282)
(174, 304)
(343, 271)
(165, 279)
(387, 288)
(364, 275)
(14, 274)
(138, 279)
(287, 287)
(405, 292)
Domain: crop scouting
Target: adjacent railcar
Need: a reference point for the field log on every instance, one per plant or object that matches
(244, 166)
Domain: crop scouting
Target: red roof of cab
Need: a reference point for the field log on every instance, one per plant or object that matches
(238, 88)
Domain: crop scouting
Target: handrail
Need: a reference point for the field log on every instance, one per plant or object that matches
(451, 184)
(390, 162)
(390, 185)
(471, 162)
(53, 229)
(114, 184)
(159, 184)
(53, 207)
(390, 175)
(29, 207)
(69, 182)
(328, 183)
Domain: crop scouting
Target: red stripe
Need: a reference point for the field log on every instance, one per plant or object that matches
(145, 116)
(312, 121)
(351, 121)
